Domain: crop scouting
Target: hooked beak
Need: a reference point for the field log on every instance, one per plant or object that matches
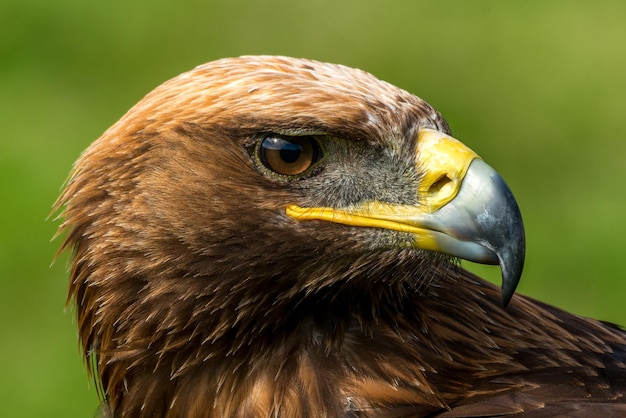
(466, 210)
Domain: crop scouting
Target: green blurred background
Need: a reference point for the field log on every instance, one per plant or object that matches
(537, 88)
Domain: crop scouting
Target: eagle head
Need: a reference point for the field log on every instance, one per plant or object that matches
(252, 221)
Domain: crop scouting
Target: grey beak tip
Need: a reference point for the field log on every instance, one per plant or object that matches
(507, 293)
(512, 264)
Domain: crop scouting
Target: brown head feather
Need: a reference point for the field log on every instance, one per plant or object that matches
(198, 297)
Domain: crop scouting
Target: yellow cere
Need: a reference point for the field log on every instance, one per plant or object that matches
(444, 161)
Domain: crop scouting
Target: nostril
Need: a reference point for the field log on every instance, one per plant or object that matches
(439, 184)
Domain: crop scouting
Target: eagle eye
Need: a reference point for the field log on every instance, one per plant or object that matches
(288, 155)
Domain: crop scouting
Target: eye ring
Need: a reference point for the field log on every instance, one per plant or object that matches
(288, 155)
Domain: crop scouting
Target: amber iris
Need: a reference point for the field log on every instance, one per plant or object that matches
(288, 155)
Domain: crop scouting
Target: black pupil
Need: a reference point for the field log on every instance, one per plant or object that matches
(289, 152)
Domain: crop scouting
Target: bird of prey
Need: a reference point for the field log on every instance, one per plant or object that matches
(275, 237)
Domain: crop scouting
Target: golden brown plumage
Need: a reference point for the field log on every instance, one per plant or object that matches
(199, 294)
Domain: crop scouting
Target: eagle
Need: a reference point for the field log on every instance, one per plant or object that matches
(267, 236)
